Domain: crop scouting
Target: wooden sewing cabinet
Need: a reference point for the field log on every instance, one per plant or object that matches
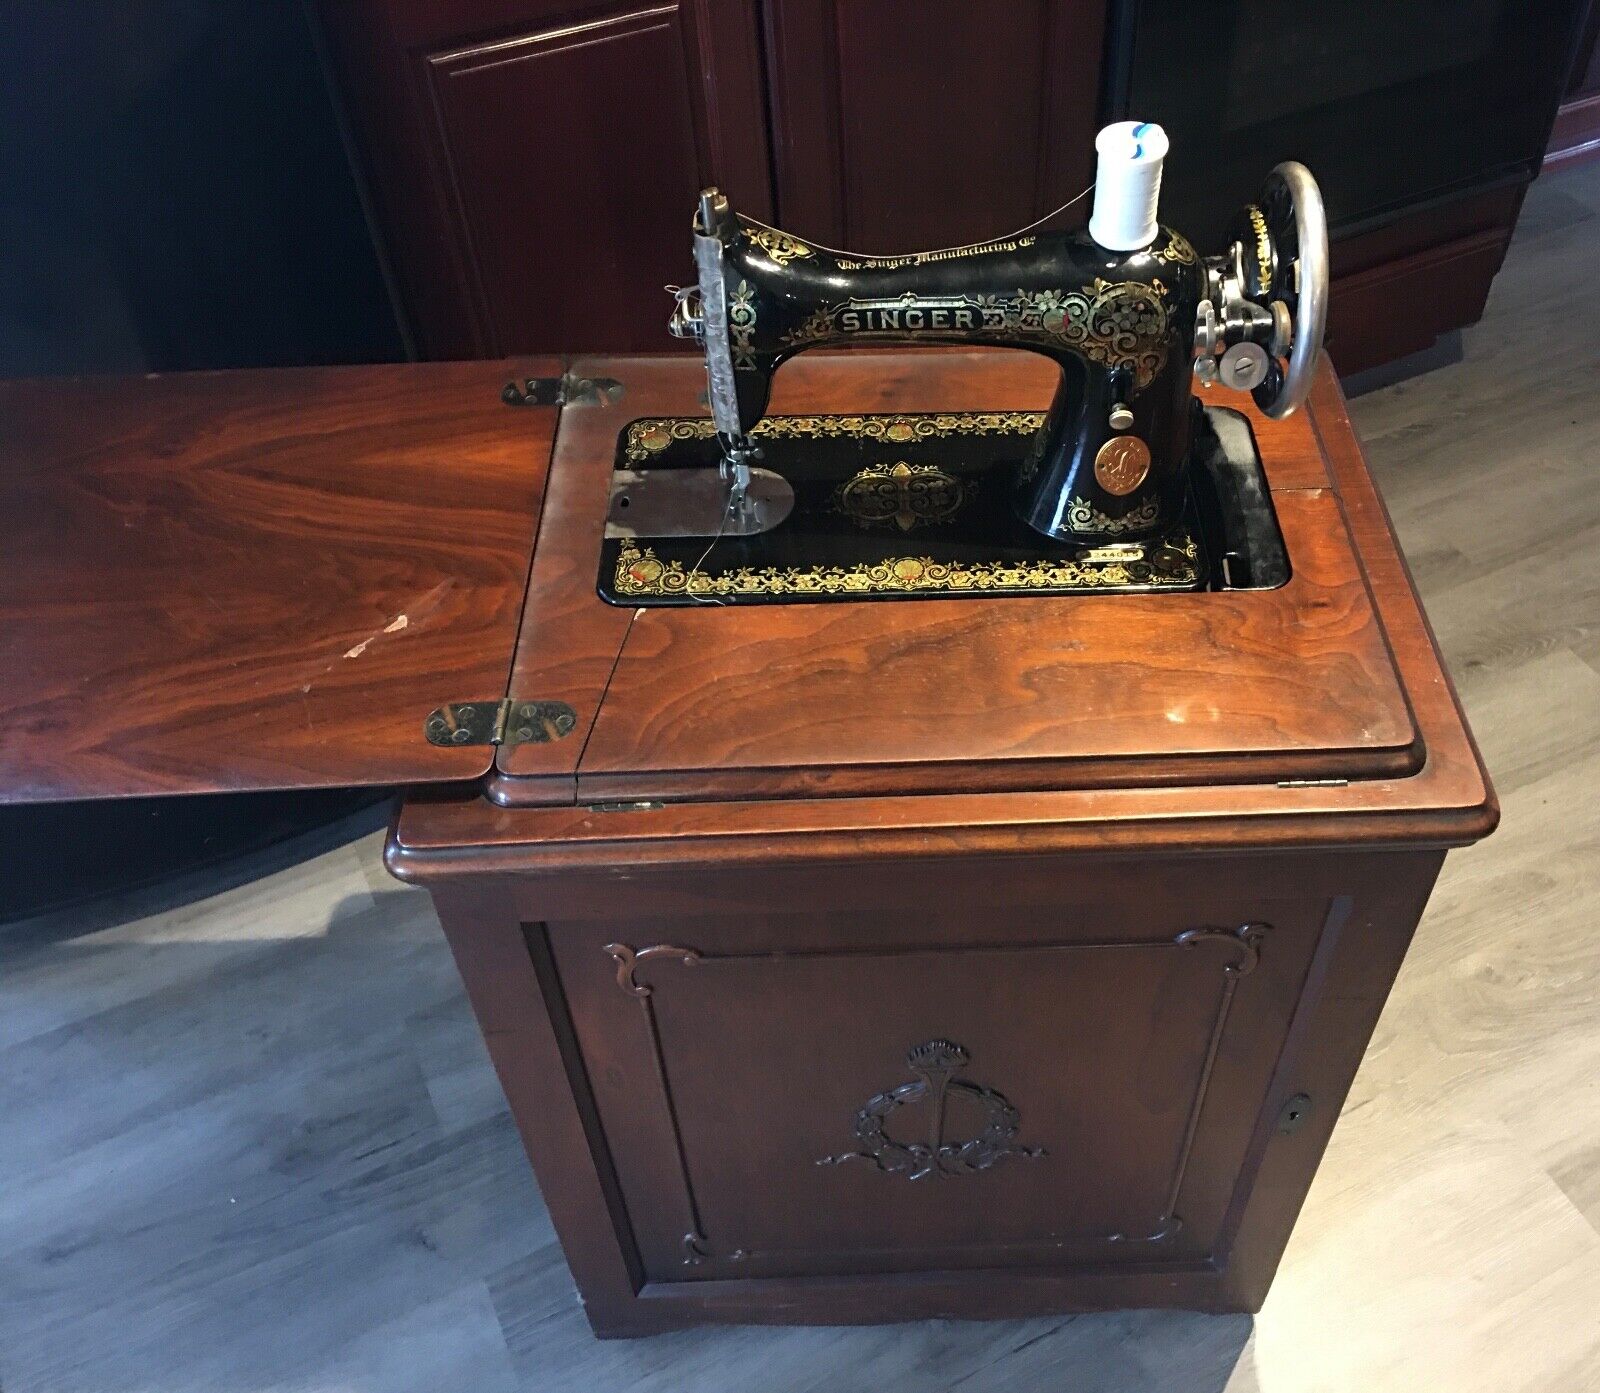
(841, 962)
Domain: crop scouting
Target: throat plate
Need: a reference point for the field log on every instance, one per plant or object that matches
(694, 503)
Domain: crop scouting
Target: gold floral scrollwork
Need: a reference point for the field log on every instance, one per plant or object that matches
(779, 246)
(652, 435)
(1179, 251)
(1258, 225)
(907, 496)
(818, 325)
(1083, 517)
(742, 325)
(1120, 324)
(641, 573)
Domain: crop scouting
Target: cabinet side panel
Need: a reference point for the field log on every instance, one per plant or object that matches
(525, 1029)
(576, 250)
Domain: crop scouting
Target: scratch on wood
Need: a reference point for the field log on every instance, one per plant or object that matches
(424, 607)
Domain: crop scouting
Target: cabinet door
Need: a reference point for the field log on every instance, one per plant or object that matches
(911, 124)
(534, 163)
(826, 1093)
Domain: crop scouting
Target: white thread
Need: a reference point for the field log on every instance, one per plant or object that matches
(694, 570)
(932, 251)
(1129, 157)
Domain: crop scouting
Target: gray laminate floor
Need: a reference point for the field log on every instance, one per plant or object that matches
(254, 1143)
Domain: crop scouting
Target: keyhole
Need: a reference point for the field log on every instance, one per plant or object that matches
(1294, 1113)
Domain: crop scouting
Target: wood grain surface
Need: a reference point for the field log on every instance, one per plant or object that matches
(1086, 1013)
(257, 580)
(1448, 802)
(952, 694)
(864, 150)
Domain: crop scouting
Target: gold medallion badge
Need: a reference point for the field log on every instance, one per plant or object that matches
(1121, 464)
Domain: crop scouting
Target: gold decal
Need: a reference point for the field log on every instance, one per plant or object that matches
(1118, 325)
(1178, 251)
(642, 573)
(652, 434)
(780, 246)
(902, 495)
(742, 325)
(888, 263)
(1081, 517)
(1258, 224)
(1121, 464)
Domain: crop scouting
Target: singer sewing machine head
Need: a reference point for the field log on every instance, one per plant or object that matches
(1126, 308)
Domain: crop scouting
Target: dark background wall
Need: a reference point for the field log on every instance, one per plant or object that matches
(175, 194)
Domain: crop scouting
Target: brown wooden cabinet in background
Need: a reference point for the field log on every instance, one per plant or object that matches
(532, 162)
(926, 123)
(1575, 138)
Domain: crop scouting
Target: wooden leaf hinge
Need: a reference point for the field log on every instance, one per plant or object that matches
(508, 723)
(561, 391)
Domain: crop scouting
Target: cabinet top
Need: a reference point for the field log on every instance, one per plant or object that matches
(271, 579)
(966, 693)
(1314, 713)
(257, 580)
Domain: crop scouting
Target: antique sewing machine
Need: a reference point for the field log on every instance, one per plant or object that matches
(864, 963)
(1124, 484)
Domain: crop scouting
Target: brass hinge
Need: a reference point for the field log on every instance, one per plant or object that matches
(508, 723)
(1313, 783)
(561, 391)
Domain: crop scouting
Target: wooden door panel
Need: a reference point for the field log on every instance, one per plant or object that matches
(581, 252)
(758, 1085)
(909, 124)
(534, 164)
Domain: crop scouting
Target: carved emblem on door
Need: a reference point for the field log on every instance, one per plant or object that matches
(928, 1096)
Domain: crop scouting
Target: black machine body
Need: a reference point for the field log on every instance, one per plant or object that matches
(1129, 330)
(1114, 322)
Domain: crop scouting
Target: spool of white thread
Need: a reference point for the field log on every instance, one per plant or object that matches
(1127, 185)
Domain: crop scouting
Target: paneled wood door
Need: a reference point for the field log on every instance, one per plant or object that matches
(533, 163)
(1076, 1084)
(909, 124)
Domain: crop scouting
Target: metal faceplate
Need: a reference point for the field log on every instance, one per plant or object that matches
(720, 386)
